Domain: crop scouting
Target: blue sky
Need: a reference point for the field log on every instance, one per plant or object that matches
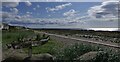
(61, 14)
(41, 12)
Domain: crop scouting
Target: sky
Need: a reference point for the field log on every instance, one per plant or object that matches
(54, 0)
(85, 15)
(39, 9)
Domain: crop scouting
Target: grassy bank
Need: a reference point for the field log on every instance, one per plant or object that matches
(10, 36)
(51, 47)
(59, 50)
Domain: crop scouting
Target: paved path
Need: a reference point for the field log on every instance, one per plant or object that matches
(115, 45)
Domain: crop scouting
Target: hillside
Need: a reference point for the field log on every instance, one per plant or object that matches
(60, 48)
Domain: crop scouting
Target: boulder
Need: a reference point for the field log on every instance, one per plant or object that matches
(40, 57)
(88, 56)
(93, 56)
(13, 58)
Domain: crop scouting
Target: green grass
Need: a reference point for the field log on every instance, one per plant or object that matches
(56, 48)
(0, 38)
(9, 36)
(50, 47)
(14, 35)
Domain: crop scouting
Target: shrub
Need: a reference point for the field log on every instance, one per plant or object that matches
(38, 37)
(73, 51)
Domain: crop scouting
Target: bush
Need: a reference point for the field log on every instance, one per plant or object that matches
(38, 37)
(50, 47)
(102, 57)
(75, 51)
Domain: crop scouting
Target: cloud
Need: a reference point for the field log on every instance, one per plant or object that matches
(18, 17)
(28, 12)
(106, 9)
(14, 18)
(26, 16)
(105, 29)
(6, 15)
(28, 3)
(86, 17)
(9, 17)
(38, 6)
(71, 12)
(49, 15)
(59, 7)
(34, 9)
(14, 10)
(110, 0)
(14, 3)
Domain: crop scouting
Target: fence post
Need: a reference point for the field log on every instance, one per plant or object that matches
(30, 50)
